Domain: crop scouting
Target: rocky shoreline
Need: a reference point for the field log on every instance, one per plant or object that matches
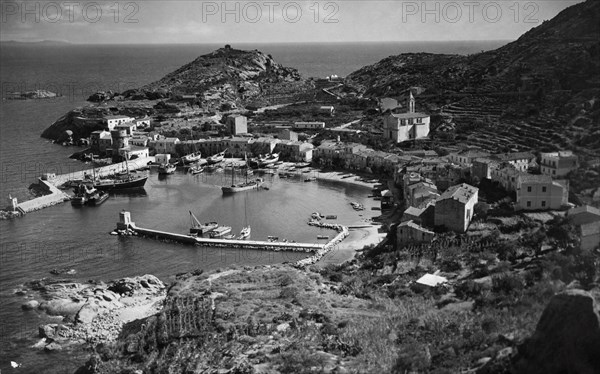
(91, 313)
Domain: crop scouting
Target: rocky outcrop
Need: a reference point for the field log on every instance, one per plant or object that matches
(566, 339)
(93, 312)
(227, 76)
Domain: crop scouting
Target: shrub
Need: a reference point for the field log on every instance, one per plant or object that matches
(290, 292)
(468, 289)
(507, 284)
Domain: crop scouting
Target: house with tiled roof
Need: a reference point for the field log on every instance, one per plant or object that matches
(541, 192)
(454, 208)
(506, 175)
(465, 157)
(410, 232)
(520, 160)
(587, 218)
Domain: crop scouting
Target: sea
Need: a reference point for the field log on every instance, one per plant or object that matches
(64, 237)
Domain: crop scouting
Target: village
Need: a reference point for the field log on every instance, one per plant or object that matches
(428, 192)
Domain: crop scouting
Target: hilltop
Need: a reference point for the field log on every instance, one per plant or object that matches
(228, 75)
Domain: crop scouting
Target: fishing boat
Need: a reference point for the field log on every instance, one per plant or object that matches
(195, 169)
(201, 229)
(125, 182)
(166, 168)
(244, 186)
(268, 160)
(245, 233)
(192, 157)
(311, 179)
(322, 237)
(79, 199)
(216, 158)
(220, 231)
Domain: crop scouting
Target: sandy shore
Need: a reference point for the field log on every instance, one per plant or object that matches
(336, 176)
(357, 239)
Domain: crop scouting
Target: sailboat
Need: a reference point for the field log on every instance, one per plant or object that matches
(127, 182)
(245, 233)
(245, 186)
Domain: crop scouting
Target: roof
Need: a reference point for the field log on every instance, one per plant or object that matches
(584, 209)
(486, 160)
(414, 211)
(415, 226)
(115, 117)
(461, 192)
(513, 156)
(535, 178)
(473, 153)
(431, 280)
(558, 154)
(409, 115)
(169, 140)
(386, 193)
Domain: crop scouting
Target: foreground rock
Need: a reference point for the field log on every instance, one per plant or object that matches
(567, 337)
(240, 321)
(92, 312)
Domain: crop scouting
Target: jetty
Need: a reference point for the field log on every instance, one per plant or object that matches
(126, 225)
(50, 182)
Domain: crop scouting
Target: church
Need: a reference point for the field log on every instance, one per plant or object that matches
(411, 125)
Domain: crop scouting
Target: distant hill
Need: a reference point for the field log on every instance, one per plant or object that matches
(232, 76)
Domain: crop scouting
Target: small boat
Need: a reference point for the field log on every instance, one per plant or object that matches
(311, 179)
(270, 159)
(97, 198)
(316, 215)
(220, 231)
(331, 216)
(192, 157)
(79, 200)
(245, 233)
(166, 169)
(216, 158)
(357, 206)
(196, 169)
(229, 237)
(322, 237)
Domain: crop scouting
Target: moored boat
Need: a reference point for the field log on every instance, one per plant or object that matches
(245, 186)
(196, 169)
(216, 158)
(201, 229)
(245, 233)
(97, 198)
(166, 169)
(270, 159)
(192, 157)
(129, 182)
(220, 231)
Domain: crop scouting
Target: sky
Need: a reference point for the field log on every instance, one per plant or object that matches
(271, 21)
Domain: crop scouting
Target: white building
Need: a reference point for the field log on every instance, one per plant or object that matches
(406, 126)
(111, 121)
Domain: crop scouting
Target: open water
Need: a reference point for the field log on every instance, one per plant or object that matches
(66, 237)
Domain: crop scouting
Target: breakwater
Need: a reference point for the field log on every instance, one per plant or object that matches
(342, 234)
(126, 226)
(54, 196)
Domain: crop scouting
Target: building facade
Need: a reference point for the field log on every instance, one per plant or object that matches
(558, 164)
(411, 125)
(454, 208)
(541, 192)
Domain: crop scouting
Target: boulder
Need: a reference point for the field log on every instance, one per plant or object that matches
(87, 313)
(566, 339)
(47, 331)
(31, 304)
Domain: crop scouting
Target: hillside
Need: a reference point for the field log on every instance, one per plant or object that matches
(545, 83)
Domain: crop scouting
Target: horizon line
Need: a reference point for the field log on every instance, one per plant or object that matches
(282, 42)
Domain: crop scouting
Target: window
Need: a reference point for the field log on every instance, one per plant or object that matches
(543, 203)
(529, 204)
(553, 171)
(529, 189)
(544, 189)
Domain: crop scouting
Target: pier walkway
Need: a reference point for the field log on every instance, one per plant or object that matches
(230, 243)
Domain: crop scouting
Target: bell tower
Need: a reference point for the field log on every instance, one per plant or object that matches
(411, 103)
